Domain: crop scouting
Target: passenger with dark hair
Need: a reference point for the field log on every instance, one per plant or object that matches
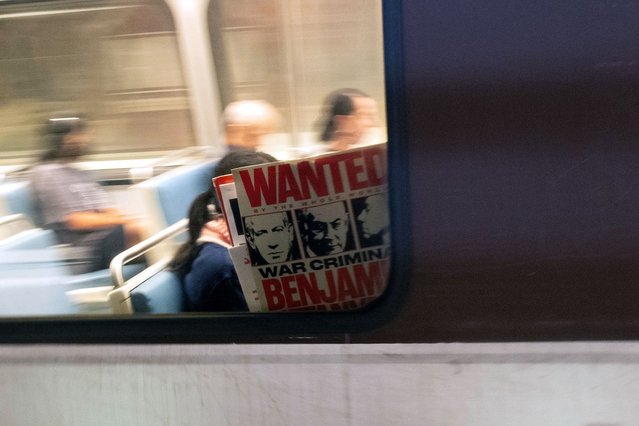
(71, 202)
(203, 262)
(348, 116)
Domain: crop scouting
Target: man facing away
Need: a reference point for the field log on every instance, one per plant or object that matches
(247, 122)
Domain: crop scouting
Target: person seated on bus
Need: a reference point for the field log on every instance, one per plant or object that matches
(71, 203)
(247, 122)
(348, 117)
(203, 262)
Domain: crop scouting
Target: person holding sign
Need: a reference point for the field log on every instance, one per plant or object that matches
(203, 262)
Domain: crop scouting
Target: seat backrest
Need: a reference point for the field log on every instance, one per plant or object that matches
(166, 199)
(17, 197)
(33, 282)
(172, 192)
(28, 240)
(35, 295)
(160, 294)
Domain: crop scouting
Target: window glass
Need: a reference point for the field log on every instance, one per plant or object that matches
(117, 62)
(303, 227)
(293, 53)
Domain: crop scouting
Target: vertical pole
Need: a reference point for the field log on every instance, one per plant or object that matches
(191, 25)
(290, 20)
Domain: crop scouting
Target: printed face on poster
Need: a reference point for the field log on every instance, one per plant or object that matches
(316, 232)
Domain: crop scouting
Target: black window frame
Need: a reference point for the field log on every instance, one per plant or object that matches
(270, 327)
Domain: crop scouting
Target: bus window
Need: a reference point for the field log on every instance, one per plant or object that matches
(315, 235)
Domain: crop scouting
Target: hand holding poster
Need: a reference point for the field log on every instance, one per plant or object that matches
(317, 229)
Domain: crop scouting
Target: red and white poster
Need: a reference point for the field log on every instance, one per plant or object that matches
(317, 229)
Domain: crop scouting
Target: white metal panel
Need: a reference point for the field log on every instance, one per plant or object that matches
(444, 384)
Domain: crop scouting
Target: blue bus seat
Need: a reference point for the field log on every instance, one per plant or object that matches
(160, 294)
(33, 282)
(166, 199)
(102, 277)
(30, 239)
(35, 279)
(41, 289)
(17, 197)
(170, 194)
(35, 296)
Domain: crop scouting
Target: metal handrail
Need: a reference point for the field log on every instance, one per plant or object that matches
(117, 264)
